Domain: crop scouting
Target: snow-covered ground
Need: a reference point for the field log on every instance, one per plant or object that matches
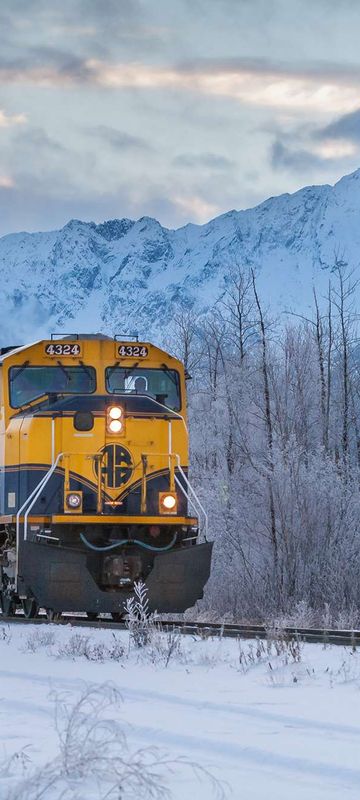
(266, 720)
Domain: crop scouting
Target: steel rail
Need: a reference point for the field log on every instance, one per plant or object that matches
(345, 638)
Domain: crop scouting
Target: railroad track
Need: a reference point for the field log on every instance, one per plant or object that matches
(346, 638)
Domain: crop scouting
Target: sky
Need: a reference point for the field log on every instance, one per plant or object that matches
(177, 109)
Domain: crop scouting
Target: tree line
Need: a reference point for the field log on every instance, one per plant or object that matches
(274, 415)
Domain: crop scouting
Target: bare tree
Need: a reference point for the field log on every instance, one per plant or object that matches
(239, 307)
(268, 420)
(329, 368)
(319, 333)
(185, 339)
(275, 433)
(343, 299)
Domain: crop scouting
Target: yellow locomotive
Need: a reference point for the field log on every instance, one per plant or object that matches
(94, 490)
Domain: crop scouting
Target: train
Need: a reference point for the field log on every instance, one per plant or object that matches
(94, 486)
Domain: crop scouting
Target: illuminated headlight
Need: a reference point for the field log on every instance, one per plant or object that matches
(73, 501)
(115, 422)
(115, 426)
(115, 412)
(167, 503)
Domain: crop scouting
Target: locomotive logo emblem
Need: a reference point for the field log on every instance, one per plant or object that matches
(116, 465)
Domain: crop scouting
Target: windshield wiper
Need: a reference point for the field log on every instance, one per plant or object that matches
(131, 369)
(169, 372)
(86, 369)
(20, 370)
(64, 370)
(118, 366)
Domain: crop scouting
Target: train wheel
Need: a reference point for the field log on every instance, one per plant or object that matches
(30, 607)
(53, 616)
(117, 616)
(92, 615)
(8, 605)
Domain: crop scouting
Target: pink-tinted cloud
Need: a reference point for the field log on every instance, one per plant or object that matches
(324, 90)
(7, 120)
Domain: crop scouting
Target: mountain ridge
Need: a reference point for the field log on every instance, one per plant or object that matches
(126, 275)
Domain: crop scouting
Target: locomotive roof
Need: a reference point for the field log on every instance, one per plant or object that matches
(7, 352)
(11, 350)
(4, 351)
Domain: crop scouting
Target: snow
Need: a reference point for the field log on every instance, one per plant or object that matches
(134, 275)
(286, 730)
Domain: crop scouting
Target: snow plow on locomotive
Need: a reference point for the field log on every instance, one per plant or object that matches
(94, 489)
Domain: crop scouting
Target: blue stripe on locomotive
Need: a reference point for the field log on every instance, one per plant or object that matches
(21, 482)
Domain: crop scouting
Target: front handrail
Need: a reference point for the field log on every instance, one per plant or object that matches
(190, 495)
(190, 488)
(33, 498)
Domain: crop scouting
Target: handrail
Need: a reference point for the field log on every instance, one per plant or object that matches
(194, 500)
(36, 491)
(40, 488)
(33, 497)
(195, 505)
(31, 500)
(189, 499)
(190, 488)
(18, 515)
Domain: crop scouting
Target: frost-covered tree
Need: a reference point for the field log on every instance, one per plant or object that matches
(275, 449)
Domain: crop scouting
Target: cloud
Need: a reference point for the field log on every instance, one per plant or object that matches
(331, 149)
(210, 160)
(246, 81)
(33, 204)
(7, 120)
(195, 207)
(88, 28)
(6, 182)
(321, 89)
(298, 160)
(120, 140)
(347, 127)
(37, 139)
(307, 146)
(43, 199)
(44, 67)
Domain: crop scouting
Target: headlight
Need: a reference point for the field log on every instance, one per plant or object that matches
(167, 503)
(115, 422)
(115, 426)
(73, 501)
(115, 412)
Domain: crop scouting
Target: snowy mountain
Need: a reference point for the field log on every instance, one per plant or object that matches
(123, 275)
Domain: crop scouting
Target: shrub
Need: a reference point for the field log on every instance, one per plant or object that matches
(41, 637)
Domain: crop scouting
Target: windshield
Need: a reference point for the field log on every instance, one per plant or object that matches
(161, 384)
(29, 383)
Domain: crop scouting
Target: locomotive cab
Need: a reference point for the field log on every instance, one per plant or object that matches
(94, 488)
